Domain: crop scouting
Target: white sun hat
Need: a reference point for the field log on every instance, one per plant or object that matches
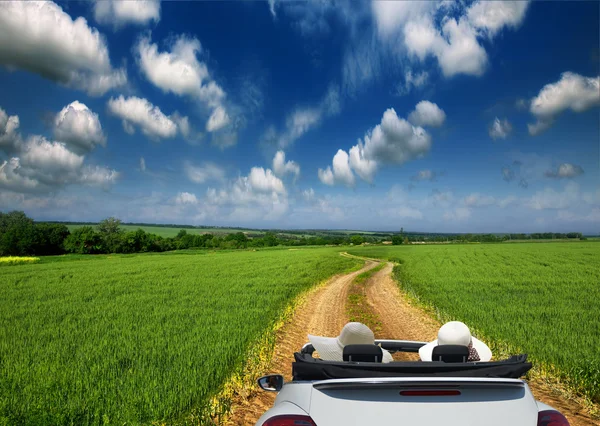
(353, 333)
(455, 333)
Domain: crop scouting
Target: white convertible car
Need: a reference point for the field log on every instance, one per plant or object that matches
(362, 391)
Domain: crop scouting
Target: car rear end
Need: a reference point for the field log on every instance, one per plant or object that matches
(406, 401)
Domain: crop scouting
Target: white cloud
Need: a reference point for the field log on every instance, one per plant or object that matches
(539, 126)
(572, 91)
(37, 164)
(217, 120)
(549, 198)
(308, 195)
(341, 172)
(565, 170)
(427, 114)
(264, 181)
(184, 198)
(457, 214)
(479, 200)
(390, 15)
(180, 72)
(142, 164)
(492, 16)
(98, 176)
(79, 128)
(404, 212)
(10, 139)
(363, 167)
(455, 45)
(500, 129)
(395, 140)
(205, 173)
(281, 167)
(120, 12)
(39, 153)
(41, 38)
(140, 112)
(326, 176)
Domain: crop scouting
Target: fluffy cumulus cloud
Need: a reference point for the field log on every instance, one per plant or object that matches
(565, 170)
(205, 173)
(340, 172)
(119, 12)
(184, 198)
(179, 71)
(450, 34)
(572, 91)
(500, 129)
(282, 167)
(427, 114)
(79, 128)
(491, 16)
(36, 164)
(10, 139)
(394, 141)
(258, 196)
(41, 38)
(139, 112)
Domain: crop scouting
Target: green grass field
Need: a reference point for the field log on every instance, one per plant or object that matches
(541, 299)
(136, 339)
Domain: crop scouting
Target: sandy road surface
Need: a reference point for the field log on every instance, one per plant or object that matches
(324, 313)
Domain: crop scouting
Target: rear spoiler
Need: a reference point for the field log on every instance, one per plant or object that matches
(417, 383)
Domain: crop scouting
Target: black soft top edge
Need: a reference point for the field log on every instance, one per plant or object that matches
(308, 368)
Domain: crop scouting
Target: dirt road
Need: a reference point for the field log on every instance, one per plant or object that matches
(323, 313)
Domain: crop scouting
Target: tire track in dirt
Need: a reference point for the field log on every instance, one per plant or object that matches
(323, 313)
(400, 319)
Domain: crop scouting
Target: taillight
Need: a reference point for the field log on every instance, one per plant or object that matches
(290, 420)
(551, 418)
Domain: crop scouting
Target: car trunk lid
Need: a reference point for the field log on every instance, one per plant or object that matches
(422, 401)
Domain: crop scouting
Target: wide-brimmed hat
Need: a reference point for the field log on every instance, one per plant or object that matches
(455, 333)
(353, 333)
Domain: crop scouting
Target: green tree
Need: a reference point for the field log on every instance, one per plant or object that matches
(85, 240)
(111, 232)
(50, 238)
(397, 239)
(17, 234)
(357, 240)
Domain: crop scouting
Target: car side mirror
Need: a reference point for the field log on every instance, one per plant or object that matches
(271, 383)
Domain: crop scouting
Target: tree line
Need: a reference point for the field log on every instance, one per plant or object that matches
(21, 236)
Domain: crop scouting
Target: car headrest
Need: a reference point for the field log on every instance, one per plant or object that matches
(450, 353)
(362, 353)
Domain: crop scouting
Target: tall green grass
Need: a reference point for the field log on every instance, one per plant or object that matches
(542, 299)
(142, 338)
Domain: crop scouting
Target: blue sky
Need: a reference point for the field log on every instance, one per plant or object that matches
(431, 116)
